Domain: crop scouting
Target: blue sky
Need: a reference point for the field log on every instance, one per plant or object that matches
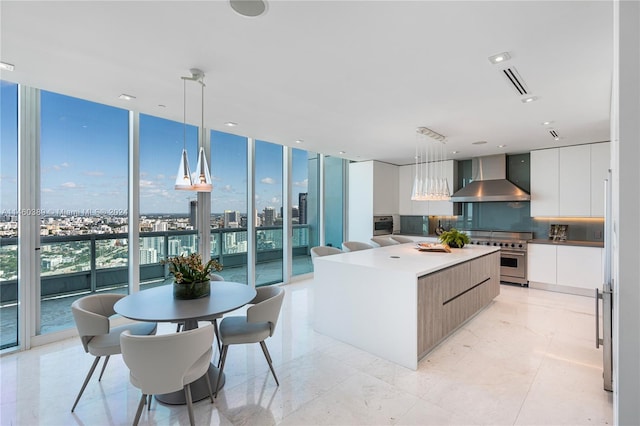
(84, 161)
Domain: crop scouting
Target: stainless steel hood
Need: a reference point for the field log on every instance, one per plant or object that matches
(490, 182)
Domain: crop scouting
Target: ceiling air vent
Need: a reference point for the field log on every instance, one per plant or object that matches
(554, 134)
(514, 78)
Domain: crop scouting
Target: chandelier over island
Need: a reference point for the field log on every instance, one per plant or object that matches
(429, 183)
(200, 181)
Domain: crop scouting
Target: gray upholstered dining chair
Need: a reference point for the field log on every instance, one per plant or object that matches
(384, 240)
(320, 251)
(167, 363)
(259, 324)
(348, 246)
(91, 315)
(401, 240)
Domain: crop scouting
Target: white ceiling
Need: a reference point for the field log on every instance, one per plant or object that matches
(354, 76)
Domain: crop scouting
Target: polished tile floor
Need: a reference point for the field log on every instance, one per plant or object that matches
(528, 359)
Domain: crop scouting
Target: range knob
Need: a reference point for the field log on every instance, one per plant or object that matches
(513, 245)
(495, 244)
(520, 245)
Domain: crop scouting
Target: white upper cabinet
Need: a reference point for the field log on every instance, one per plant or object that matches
(600, 164)
(544, 183)
(424, 208)
(568, 181)
(575, 180)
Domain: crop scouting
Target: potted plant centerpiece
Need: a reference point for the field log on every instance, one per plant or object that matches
(454, 238)
(191, 276)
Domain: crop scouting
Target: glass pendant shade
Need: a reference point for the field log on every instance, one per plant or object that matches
(202, 177)
(429, 183)
(183, 177)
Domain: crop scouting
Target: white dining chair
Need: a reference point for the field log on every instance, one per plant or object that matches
(258, 324)
(91, 315)
(320, 251)
(401, 240)
(348, 246)
(383, 241)
(168, 363)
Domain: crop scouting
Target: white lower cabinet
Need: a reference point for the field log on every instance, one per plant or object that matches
(565, 266)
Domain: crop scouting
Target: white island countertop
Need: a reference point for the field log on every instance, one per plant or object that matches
(407, 258)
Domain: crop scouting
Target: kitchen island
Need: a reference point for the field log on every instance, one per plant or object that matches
(398, 303)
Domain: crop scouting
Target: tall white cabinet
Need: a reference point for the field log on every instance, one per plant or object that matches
(569, 181)
(373, 190)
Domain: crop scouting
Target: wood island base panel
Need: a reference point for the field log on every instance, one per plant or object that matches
(399, 303)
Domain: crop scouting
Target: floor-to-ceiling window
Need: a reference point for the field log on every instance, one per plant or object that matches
(167, 215)
(229, 204)
(268, 202)
(83, 197)
(8, 214)
(305, 208)
(334, 200)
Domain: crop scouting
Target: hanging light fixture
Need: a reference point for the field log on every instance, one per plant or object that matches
(201, 180)
(183, 176)
(429, 183)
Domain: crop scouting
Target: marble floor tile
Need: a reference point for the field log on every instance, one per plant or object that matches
(527, 359)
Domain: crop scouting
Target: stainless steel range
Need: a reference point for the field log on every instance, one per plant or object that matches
(513, 252)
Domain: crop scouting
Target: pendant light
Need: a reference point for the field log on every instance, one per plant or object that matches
(429, 183)
(183, 177)
(202, 177)
(200, 181)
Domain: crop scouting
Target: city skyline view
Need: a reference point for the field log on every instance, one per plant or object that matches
(84, 162)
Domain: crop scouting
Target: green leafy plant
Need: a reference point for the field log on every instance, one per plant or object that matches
(190, 269)
(454, 238)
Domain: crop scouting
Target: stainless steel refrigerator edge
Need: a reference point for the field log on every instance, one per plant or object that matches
(606, 295)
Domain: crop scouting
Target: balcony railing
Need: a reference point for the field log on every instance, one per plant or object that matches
(93, 262)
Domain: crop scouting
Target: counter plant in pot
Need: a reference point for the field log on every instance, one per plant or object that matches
(191, 276)
(454, 238)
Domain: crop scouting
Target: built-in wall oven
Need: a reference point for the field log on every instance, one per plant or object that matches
(513, 252)
(382, 225)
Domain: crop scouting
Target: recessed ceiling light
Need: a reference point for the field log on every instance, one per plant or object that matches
(162, 106)
(546, 123)
(478, 143)
(126, 97)
(342, 152)
(455, 152)
(230, 124)
(250, 8)
(500, 57)
(299, 141)
(6, 67)
(529, 99)
(501, 146)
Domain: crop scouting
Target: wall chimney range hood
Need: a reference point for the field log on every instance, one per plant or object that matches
(490, 182)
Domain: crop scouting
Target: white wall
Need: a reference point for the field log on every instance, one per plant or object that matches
(626, 211)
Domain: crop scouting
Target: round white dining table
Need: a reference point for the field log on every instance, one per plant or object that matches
(158, 305)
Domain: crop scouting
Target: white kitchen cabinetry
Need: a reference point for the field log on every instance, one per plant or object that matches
(541, 263)
(568, 181)
(575, 181)
(373, 190)
(544, 182)
(409, 207)
(600, 165)
(570, 269)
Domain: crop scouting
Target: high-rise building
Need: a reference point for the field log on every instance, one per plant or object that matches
(269, 216)
(193, 208)
(231, 216)
(302, 207)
